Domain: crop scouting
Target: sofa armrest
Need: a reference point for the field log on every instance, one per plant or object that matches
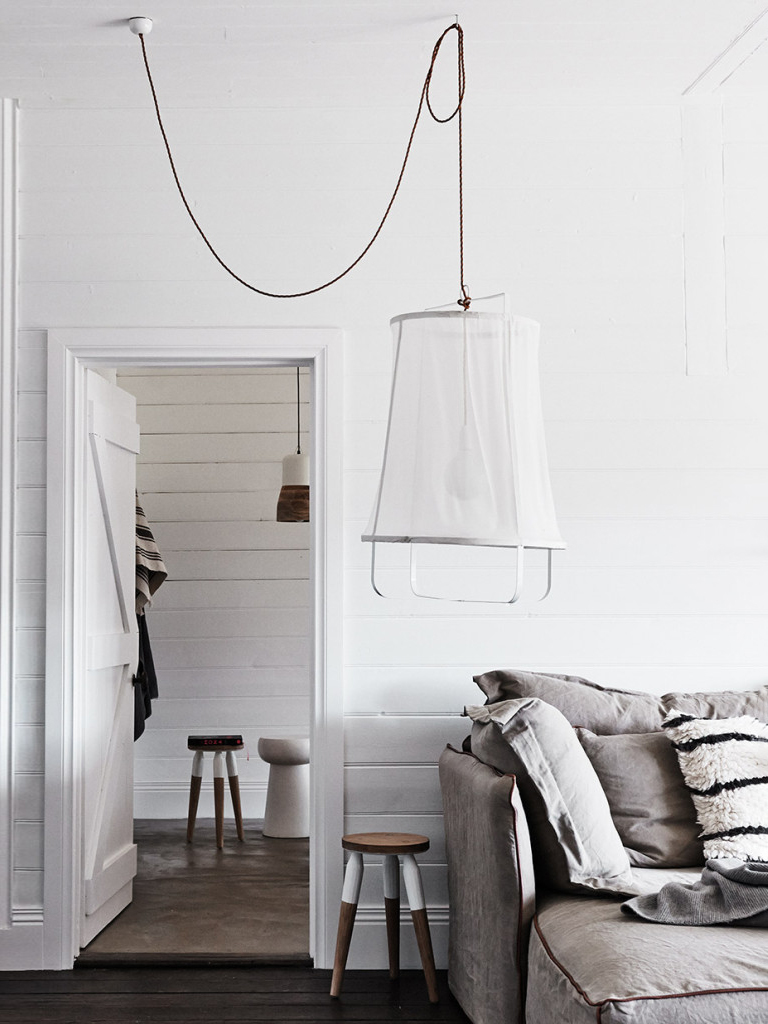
(490, 886)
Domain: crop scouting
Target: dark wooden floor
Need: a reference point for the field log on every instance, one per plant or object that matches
(143, 995)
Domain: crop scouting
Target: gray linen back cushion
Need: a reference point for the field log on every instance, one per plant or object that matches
(607, 711)
(650, 805)
(582, 702)
(575, 843)
(728, 704)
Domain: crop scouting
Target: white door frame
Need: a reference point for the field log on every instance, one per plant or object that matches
(70, 352)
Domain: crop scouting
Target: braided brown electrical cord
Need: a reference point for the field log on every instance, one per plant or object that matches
(464, 300)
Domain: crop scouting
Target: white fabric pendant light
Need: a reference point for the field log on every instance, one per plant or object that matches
(465, 459)
(293, 500)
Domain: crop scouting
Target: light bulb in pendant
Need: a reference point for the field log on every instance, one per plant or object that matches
(465, 476)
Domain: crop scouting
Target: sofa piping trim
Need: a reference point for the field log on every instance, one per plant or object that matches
(521, 903)
(632, 999)
(513, 785)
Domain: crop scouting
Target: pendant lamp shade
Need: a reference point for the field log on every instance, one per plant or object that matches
(293, 500)
(465, 458)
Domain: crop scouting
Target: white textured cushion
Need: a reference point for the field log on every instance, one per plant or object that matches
(725, 766)
(576, 845)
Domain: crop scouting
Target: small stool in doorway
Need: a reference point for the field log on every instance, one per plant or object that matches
(286, 815)
(391, 846)
(222, 747)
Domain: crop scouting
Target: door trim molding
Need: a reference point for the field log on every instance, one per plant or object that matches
(70, 352)
(8, 292)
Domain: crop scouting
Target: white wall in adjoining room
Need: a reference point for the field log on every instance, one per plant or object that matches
(229, 627)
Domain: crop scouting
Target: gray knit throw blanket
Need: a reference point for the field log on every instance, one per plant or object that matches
(730, 891)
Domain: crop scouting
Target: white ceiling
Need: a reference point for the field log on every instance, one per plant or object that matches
(256, 52)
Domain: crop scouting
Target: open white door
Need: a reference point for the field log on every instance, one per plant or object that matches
(108, 850)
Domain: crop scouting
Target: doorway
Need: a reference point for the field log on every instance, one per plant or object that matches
(70, 353)
(228, 635)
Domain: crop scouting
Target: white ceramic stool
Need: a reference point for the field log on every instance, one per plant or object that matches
(287, 813)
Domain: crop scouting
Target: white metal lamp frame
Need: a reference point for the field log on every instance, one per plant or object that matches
(519, 576)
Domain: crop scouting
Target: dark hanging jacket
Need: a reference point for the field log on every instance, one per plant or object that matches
(150, 574)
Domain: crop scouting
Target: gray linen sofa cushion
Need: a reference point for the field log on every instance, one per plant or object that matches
(650, 805)
(575, 843)
(725, 704)
(582, 702)
(608, 711)
(587, 961)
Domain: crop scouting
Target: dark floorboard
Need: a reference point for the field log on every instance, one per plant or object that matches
(141, 995)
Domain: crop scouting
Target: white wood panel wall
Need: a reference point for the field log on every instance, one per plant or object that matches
(230, 626)
(573, 205)
(29, 683)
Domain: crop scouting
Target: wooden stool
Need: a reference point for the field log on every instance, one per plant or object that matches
(392, 846)
(220, 751)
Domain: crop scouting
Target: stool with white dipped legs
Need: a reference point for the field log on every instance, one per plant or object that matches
(392, 846)
(221, 756)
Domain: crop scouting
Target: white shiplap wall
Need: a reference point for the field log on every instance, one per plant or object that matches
(230, 626)
(29, 683)
(575, 206)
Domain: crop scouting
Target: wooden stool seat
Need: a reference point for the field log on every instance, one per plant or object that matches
(222, 748)
(214, 743)
(391, 846)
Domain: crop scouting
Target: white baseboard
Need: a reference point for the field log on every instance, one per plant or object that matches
(21, 945)
(172, 800)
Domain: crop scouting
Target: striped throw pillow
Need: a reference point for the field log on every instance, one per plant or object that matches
(724, 762)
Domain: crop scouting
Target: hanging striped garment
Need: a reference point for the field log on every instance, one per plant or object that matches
(150, 569)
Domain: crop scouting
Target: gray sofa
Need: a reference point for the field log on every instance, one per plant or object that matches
(521, 951)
